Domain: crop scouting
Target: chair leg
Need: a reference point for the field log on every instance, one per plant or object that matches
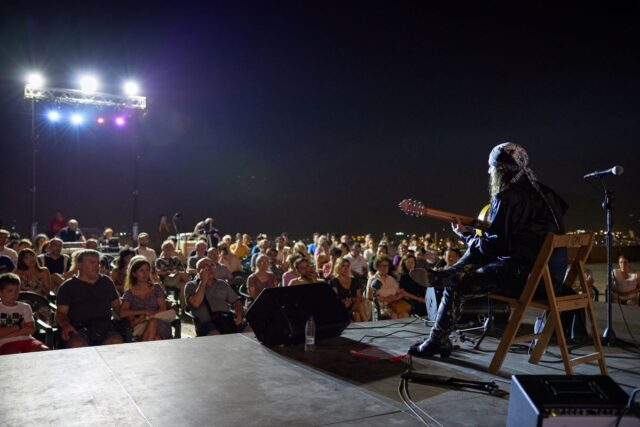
(507, 339)
(596, 338)
(543, 341)
(488, 324)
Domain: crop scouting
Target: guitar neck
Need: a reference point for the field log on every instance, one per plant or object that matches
(469, 221)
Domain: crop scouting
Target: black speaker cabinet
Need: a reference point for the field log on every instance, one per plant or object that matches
(567, 401)
(278, 315)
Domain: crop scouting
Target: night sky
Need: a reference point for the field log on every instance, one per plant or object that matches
(321, 116)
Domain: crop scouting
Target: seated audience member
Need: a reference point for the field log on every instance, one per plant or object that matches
(6, 264)
(369, 247)
(56, 224)
(450, 257)
(306, 273)
(384, 289)
(311, 248)
(327, 268)
(282, 249)
(344, 249)
(383, 250)
(300, 250)
(210, 300)
(263, 245)
(24, 244)
(208, 230)
(119, 274)
(358, 263)
(291, 273)
(55, 261)
(626, 286)
(421, 258)
(414, 292)
(348, 290)
(144, 301)
(107, 235)
(171, 270)
(274, 264)
(16, 319)
(230, 260)
(37, 244)
(323, 253)
(239, 248)
(85, 302)
(262, 278)
(144, 249)
(71, 233)
(403, 249)
(4, 249)
(220, 272)
(33, 278)
(201, 252)
(91, 244)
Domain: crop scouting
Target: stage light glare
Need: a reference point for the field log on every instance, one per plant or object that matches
(53, 116)
(35, 80)
(89, 84)
(120, 121)
(131, 88)
(100, 120)
(77, 119)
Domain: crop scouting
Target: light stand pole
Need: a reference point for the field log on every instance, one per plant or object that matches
(34, 153)
(136, 192)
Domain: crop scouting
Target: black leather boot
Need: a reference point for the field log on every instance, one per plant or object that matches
(428, 348)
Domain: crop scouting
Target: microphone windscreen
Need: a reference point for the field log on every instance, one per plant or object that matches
(617, 170)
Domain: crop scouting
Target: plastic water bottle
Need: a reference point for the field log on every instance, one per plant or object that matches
(310, 334)
(538, 326)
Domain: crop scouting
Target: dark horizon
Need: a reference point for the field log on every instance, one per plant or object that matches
(306, 117)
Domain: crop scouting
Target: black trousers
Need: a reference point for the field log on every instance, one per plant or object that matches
(475, 275)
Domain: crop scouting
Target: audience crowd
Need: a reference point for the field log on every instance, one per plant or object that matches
(107, 294)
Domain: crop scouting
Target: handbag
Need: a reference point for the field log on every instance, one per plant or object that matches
(400, 306)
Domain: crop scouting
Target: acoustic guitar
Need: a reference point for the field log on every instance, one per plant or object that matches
(417, 209)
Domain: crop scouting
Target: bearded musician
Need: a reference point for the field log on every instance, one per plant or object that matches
(522, 212)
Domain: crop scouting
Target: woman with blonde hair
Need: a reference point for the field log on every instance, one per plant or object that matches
(348, 290)
(143, 301)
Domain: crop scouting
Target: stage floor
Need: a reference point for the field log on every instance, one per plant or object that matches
(235, 381)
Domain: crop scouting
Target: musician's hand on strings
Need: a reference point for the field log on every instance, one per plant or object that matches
(459, 228)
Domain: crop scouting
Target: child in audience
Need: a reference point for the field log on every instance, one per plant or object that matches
(16, 319)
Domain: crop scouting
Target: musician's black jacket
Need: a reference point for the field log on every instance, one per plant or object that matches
(519, 222)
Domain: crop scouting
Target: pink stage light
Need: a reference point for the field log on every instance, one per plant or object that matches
(100, 120)
(120, 121)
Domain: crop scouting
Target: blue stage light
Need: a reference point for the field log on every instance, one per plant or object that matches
(53, 116)
(77, 119)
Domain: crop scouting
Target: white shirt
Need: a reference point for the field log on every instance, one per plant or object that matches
(358, 264)
(148, 253)
(19, 314)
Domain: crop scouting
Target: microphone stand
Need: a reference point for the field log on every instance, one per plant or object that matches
(609, 336)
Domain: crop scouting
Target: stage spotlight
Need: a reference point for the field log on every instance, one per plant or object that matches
(120, 121)
(77, 119)
(88, 84)
(131, 88)
(100, 120)
(53, 116)
(35, 80)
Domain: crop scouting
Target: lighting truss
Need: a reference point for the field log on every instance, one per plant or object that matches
(74, 96)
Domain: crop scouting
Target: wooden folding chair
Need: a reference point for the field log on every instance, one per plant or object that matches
(555, 305)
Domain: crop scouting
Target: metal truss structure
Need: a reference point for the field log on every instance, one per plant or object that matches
(78, 97)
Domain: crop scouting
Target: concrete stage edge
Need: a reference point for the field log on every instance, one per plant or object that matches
(234, 380)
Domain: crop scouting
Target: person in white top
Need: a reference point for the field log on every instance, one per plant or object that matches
(359, 265)
(144, 249)
(4, 237)
(626, 286)
(16, 319)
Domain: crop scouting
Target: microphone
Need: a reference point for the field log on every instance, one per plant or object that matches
(616, 170)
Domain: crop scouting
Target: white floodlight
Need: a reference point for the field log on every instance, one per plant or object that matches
(89, 84)
(35, 80)
(53, 116)
(131, 88)
(77, 119)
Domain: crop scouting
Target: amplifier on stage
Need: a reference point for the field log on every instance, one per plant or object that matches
(568, 401)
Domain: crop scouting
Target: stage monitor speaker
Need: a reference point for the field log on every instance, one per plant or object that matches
(561, 400)
(278, 315)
